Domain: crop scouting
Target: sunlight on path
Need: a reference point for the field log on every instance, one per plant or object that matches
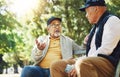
(9, 75)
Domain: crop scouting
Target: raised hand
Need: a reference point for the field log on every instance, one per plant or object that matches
(86, 39)
(40, 45)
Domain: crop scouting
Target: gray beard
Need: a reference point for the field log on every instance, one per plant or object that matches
(56, 34)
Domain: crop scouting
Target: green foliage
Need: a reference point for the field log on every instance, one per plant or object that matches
(113, 6)
(7, 43)
(10, 41)
(7, 37)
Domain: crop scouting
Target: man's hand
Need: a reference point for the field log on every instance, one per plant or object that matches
(86, 39)
(72, 73)
(41, 45)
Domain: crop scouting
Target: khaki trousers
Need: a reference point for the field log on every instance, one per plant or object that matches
(85, 67)
(57, 68)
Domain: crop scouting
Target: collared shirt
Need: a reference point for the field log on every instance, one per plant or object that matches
(53, 53)
(110, 38)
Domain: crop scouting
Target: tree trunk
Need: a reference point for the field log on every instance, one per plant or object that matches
(15, 66)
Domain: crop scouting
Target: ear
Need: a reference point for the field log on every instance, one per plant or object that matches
(97, 9)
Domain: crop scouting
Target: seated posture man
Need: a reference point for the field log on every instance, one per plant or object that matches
(103, 45)
(50, 48)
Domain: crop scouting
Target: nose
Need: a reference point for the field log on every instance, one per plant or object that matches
(57, 27)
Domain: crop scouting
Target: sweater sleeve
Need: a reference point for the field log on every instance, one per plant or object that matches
(36, 53)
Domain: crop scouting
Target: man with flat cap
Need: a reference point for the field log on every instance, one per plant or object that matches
(50, 48)
(103, 44)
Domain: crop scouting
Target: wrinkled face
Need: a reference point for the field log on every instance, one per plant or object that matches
(91, 14)
(54, 29)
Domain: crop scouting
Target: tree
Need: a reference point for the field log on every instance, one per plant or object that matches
(8, 38)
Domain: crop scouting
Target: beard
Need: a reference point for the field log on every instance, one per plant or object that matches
(56, 34)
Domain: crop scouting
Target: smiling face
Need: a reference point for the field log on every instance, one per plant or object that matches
(54, 29)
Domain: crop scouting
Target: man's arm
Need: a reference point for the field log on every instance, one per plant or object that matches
(37, 51)
(110, 38)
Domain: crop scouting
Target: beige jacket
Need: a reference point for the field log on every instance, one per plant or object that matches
(68, 48)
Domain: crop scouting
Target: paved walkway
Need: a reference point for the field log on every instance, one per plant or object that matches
(9, 75)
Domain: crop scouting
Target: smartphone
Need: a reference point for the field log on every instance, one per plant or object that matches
(69, 68)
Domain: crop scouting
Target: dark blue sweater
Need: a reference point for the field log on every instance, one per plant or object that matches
(115, 56)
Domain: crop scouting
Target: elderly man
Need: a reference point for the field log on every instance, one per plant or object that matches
(50, 48)
(103, 44)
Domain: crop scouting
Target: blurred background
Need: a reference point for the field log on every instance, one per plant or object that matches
(22, 21)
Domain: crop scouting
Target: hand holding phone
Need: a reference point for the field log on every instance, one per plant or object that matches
(69, 68)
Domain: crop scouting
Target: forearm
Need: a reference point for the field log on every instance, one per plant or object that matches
(36, 54)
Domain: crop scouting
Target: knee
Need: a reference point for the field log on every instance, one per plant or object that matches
(28, 71)
(57, 64)
(83, 64)
(54, 64)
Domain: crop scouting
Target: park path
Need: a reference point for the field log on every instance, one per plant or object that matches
(9, 75)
